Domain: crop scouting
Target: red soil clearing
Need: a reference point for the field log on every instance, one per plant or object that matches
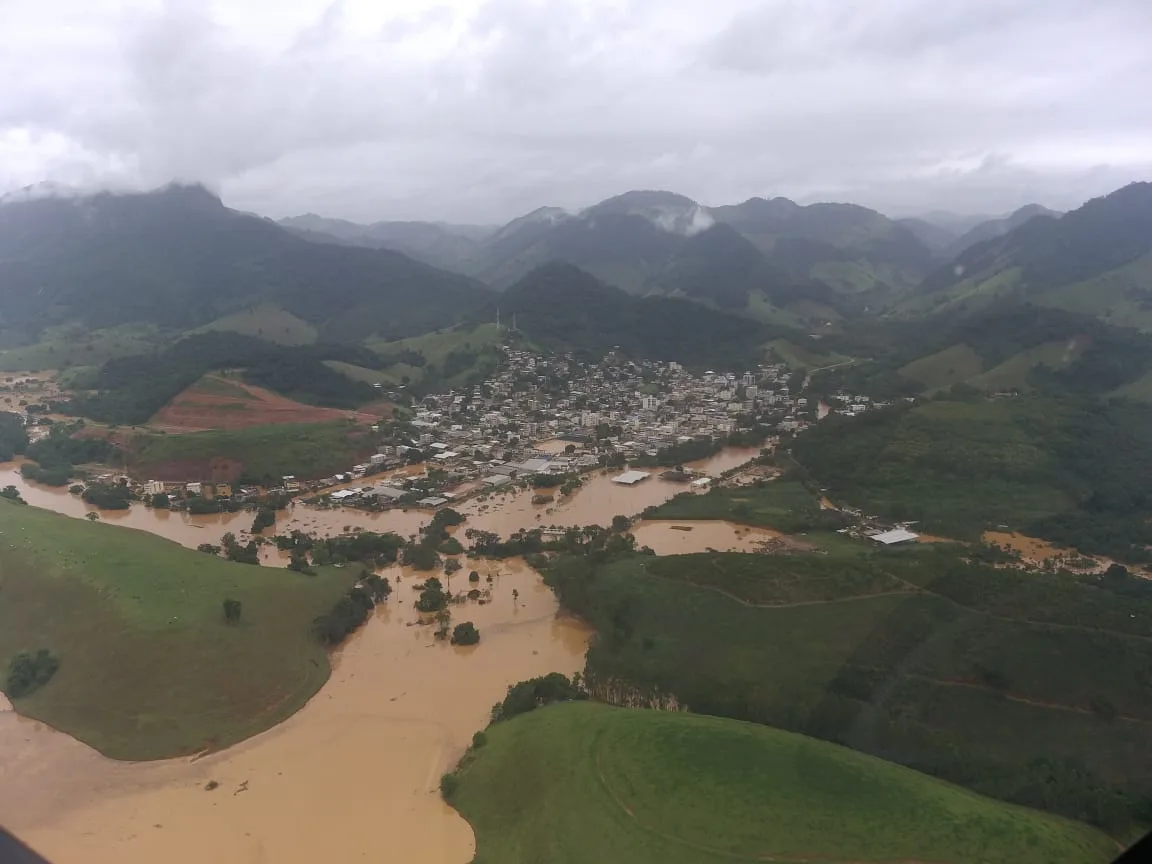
(208, 404)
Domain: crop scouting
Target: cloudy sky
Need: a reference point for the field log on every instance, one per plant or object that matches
(479, 110)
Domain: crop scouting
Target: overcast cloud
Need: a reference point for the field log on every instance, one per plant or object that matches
(480, 110)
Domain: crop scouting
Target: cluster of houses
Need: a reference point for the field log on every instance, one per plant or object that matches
(556, 415)
(560, 415)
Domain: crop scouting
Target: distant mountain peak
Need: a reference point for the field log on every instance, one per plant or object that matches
(38, 191)
(539, 219)
(668, 211)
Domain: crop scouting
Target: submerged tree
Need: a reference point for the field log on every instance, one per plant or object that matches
(29, 672)
(465, 634)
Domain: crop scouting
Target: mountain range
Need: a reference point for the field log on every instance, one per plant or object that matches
(772, 259)
(178, 259)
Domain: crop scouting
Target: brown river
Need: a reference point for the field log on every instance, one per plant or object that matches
(596, 502)
(354, 774)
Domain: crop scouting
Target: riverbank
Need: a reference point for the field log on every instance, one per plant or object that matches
(504, 512)
(352, 775)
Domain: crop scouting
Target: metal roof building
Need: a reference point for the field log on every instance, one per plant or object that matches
(630, 478)
(896, 535)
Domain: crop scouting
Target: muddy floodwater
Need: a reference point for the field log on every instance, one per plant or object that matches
(686, 536)
(596, 502)
(353, 776)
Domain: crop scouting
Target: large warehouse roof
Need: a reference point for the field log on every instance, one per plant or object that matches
(629, 478)
(896, 535)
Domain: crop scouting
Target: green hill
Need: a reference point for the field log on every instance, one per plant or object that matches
(1071, 470)
(260, 453)
(148, 668)
(944, 368)
(1122, 296)
(1022, 686)
(560, 307)
(1015, 373)
(1086, 260)
(803, 356)
(179, 259)
(266, 321)
(584, 782)
(72, 346)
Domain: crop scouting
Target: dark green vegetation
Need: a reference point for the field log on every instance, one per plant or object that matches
(432, 598)
(27, 672)
(563, 308)
(351, 610)
(525, 696)
(63, 448)
(587, 782)
(13, 435)
(1073, 471)
(465, 634)
(178, 258)
(1027, 687)
(1092, 260)
(782, 504)
(148, 668)
(130, 390)
(264, 454)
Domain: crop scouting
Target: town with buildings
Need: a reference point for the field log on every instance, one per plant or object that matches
(552, 415)
(556, 415)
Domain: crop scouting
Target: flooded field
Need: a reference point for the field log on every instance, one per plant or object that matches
(683, 537)
(353, 776)
(1039, 552)
(596, 502)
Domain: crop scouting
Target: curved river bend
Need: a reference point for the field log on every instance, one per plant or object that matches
(353, 775)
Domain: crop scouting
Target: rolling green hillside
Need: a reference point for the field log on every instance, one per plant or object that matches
(1122, 296)
(262, 453)
(148, 668)
(1088, 260)
(804, 356)
(1026, 687)
(582, 782)
(944, 368)
(71, 346)
(1072, 471)
(1016, 373)
(266, 321)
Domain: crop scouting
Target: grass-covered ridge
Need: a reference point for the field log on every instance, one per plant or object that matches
(1022, 686)
(148, 667)
(306, 450)
(785, 505)
(1075, 471)
(583, 782)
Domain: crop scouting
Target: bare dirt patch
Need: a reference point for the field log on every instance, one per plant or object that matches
(217, 403)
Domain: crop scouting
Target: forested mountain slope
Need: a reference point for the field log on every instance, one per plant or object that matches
(178, 258)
